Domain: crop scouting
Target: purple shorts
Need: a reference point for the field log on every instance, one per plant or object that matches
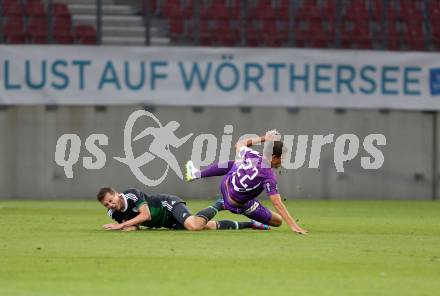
(252, 209)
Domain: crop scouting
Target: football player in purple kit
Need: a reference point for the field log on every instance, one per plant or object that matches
(245, 179)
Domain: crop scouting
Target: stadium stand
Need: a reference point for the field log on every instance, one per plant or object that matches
(357, 24)
(363, 24)
(28, 22)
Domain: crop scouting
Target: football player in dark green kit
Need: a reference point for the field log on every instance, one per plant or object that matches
(133, 208)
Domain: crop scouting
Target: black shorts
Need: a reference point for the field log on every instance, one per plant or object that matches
(178, 211)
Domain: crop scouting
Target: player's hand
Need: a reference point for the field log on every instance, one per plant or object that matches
(300, 230)
(112, 226)
(272, 135)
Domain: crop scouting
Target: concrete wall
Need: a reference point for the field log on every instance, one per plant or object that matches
(28, 138)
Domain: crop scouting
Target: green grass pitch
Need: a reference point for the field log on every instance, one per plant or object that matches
(354, 248)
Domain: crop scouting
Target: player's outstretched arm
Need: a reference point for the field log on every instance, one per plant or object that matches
(282, 210)
(272, 135)
(144, 215)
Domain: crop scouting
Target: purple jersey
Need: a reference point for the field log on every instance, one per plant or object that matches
(250, 176)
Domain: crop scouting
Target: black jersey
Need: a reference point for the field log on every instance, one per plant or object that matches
(134, 199)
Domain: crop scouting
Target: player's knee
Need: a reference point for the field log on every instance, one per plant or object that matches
(276, 221)
(211, 225)
(193, 224)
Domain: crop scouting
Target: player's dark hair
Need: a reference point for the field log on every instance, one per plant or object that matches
(103, 191)
(277, 148)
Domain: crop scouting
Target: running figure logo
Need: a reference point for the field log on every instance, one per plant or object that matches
(164, 137)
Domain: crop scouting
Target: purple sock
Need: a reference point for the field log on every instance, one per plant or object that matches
(217, 169)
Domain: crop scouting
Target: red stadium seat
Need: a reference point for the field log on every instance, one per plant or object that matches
(85, 34)
(228, 38)
(218, 10)
(222, 25)
(38, 21)
(64, 38)
(415, 37)
(417, 43)
(204, 27)
(37, 35)
(7, 3)
(269, 27)
(435, 20)
(283, 13)
(13, 9)
(309, 13)
(63, 34)
(391, 29)
(414, 31)
(60, 10)
(176, 27)
(206, 38)
(14, 24)
(252, 36)
(188, 9)
(37, 30)
(62, 29)
(357, 12)
(329, 8)
(317, 37)
(271, 35)
(364, 42)
(13, 30)
(284, 3)
(272, 41)
(35, 8)
(393, 42)
(346, 41)
(263, 11)
(301, 37)
(15, 38)
(436, 42)
(63, 23)
(376, 8)
(358, 37)
(173, 11)
(235, 11)
(391, 14)
(170, 3)
(393, 36)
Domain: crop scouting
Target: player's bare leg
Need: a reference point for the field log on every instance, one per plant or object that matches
(276, 219)
(211, 225)
(195, 223)
(203, 217)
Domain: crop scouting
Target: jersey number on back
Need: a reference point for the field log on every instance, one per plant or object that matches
(245, 172)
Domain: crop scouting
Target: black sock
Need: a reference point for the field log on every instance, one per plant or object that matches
(243, 225)
(227, 224)
(219, 205)
(207, 213)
